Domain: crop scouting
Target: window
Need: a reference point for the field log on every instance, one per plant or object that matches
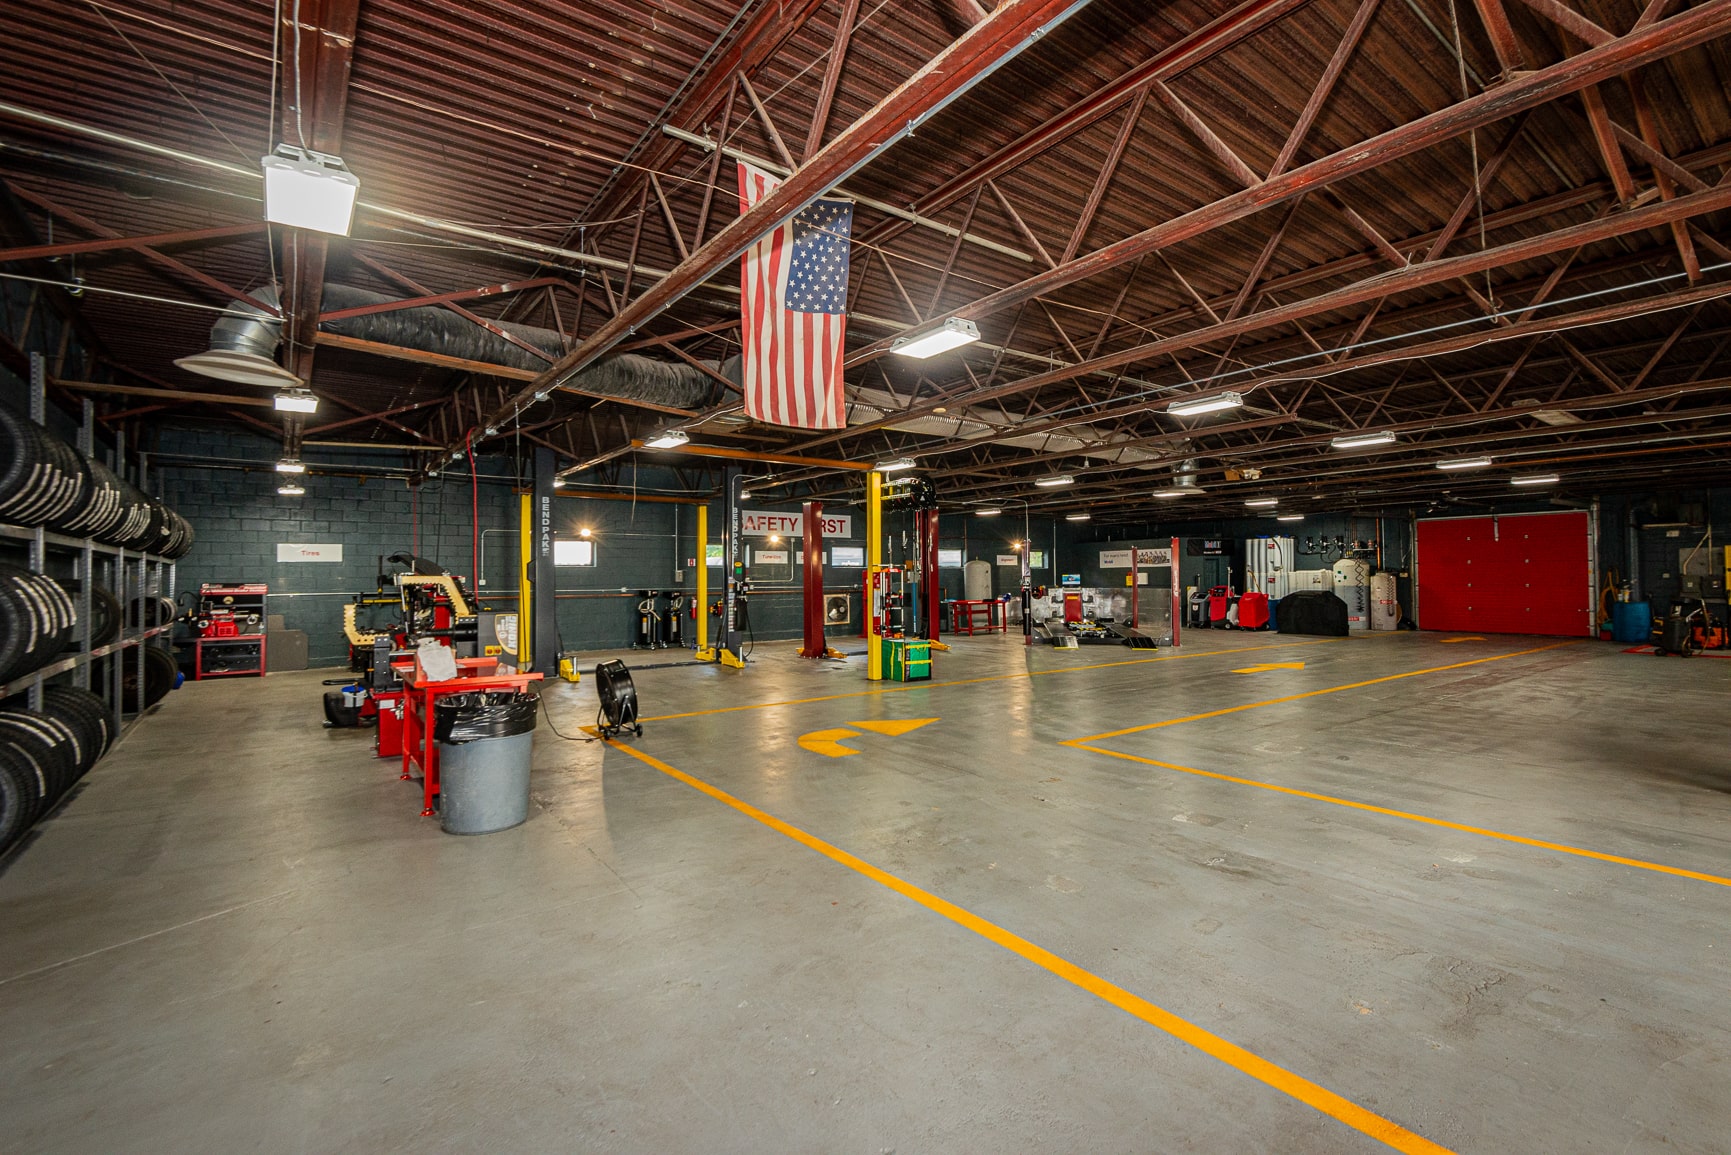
(576, 551)
(847, 556)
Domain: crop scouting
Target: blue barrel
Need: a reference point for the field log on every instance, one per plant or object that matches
(1631, 622)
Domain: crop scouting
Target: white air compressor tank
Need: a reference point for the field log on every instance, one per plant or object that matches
(1384, 602)
(1352, 586)
(977, 581)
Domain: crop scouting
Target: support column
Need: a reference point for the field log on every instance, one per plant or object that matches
(525, 587)
(874, 558)
(704, 653)
(814, 644)
(544, 651)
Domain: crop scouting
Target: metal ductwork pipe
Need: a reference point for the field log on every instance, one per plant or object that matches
(247, 332)
(1184, 474)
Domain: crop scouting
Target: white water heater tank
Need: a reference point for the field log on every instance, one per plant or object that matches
(977, 581)
(1352, 586)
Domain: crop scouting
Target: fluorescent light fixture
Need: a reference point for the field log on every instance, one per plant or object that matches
(290, 490)
(309, 190)
(896, 464)
(1170, 493)
(291, 465)
(1556, 417)
(668, 439)
(1536, 479)
(1290, 517)
(1465, 463)
(1055, 481)
(954, 332)
(1077, 516)
(1262, 502)
(1363, 440)
(987, 512)
(1191, 406)
(296, 401)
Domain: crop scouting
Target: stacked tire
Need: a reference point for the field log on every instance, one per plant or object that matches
(44, 753)
(44, 481)
(37, 621)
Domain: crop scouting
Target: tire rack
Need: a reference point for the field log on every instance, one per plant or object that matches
(133, 577)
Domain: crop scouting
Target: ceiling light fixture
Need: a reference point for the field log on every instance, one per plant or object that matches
(668, 439)
(1191, 406)
(954, 332)
(1055, 481)
(1262, 502)
(585, 532)
(987, 512)
(295, 401)
(558, 483)
(1465, 463)
(1170, 493)
(1290, 517)
(290, 490)
(309, 190)
(291, 465)
(1363, 440)
(896, 464)
(1078, 516)
(1536, 479)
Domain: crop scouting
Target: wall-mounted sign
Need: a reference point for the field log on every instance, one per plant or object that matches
(1009, 559)
(848, 556)
(762, 523)
(1070, 579)
(950, 559)
(1037, 559)
(1155, 556)
(303, 551)
(769, 557)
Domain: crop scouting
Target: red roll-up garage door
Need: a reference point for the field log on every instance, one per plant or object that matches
(1529, 573)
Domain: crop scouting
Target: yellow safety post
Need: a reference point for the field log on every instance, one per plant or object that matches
(525, 551)
(704, 653)
(874, 556)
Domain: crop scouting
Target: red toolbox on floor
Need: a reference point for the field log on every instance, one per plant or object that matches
(390, 734)
(1253, 611)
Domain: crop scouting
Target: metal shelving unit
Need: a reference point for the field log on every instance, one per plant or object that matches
(131, 576)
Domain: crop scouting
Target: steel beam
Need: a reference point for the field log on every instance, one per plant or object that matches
(1656, 42)
(137, 244)
(1012, 27)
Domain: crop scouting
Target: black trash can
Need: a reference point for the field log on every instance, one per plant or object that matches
(486, 744)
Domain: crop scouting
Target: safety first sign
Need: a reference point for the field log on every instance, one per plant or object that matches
(762, 523)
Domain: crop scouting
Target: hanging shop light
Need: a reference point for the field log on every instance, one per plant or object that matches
(1363, 440)
(1536, 479)
(668, 439)
(291, 465)
(296, 401)
(1465, 463)
(1055, 481)
(1078, 517)
(953, 333)
(1191, 406)
(1290, 517)
(290, 490)
(309, 190)
(898, 463)
(1262, 502)
(993, 512)
(1167, 494)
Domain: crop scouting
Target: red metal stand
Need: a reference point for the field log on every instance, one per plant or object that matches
(419, 748)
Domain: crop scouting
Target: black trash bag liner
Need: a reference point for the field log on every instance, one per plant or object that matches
(481, 715)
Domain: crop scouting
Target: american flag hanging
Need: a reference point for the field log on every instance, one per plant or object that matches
(793, 311)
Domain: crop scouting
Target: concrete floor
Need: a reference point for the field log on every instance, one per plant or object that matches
(240, 935)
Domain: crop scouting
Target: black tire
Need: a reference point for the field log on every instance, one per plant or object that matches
(90, 709)
(51, 744)
(37, 621)
(17, 800)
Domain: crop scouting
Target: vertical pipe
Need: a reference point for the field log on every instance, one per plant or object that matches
(525, 551)
(874, 557)
(703, 581)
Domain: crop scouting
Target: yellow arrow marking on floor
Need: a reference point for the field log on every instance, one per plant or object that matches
(830, 741)
(896, 728)
(1270, 666)
(1451, 641)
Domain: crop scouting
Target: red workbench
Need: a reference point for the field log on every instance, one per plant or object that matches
(419, 748)
(963, 613)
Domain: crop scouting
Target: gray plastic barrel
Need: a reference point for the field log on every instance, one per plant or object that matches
(486, 745)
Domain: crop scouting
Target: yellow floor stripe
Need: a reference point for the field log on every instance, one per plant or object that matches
(1298, 1087)
(1562, 848)
(1308, 694)
(902, 689)
(1410, 817)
